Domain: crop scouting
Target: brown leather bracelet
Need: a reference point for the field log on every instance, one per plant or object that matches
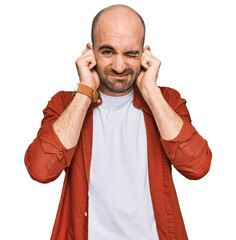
(86, 90)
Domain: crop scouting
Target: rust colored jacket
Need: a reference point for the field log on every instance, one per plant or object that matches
(46, 158)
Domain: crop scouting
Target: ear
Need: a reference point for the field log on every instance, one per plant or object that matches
(146, 48)
(89, 46)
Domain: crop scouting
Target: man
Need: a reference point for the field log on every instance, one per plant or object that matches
(117, 149)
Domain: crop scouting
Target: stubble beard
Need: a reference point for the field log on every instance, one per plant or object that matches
(125, 85)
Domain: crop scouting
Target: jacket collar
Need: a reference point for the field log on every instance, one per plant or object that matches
(138, 102)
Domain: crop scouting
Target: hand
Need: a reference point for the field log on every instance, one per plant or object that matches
(150, 68)
(85, 66)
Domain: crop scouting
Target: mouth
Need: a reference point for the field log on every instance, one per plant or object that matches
(124, 76)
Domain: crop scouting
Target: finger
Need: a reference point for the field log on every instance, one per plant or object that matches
(147, 48)
(90, 59)
(148, 53)
(87, 54)
(84, 51)
(145, 65)
(145, 61)
(148, 60)
(89, 46)
(92, 63)
(87, 59)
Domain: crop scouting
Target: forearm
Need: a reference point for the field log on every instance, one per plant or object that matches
(184, 146)
(167, 120)
(68, 125)
(189, 152)
(47, 157)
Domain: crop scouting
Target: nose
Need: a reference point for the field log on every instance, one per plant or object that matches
(119, 64)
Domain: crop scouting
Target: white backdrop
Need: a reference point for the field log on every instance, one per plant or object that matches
(40, 41)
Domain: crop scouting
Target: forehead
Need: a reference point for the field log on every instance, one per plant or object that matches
(119, 31)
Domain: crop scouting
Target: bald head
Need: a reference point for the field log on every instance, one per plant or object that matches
(117, 14)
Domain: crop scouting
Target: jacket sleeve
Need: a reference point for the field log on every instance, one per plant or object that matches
(46, 157)
(189, 152)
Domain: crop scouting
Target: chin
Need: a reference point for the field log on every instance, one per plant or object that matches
(119, 87)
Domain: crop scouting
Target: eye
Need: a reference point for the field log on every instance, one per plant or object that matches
(131, 55)
(107, 52)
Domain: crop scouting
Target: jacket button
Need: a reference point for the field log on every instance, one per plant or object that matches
(85, 214)
(98, 100)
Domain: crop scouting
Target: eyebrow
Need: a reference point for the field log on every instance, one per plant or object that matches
(106, 47)
(132, 52)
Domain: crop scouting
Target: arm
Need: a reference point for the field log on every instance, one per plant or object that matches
(53, 149)
(69, 124)
(185, 148)
(47, 157)
(188, 151)
(168, 121)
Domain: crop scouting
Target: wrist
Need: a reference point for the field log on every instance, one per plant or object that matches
(82, 99)
(150, 90)
(87, 91)
(152, 96)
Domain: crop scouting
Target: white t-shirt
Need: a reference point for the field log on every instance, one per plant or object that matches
(120, 205)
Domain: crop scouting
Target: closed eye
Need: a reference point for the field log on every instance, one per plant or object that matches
(132, 54)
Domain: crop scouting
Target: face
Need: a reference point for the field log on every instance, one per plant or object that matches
(118, 50)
